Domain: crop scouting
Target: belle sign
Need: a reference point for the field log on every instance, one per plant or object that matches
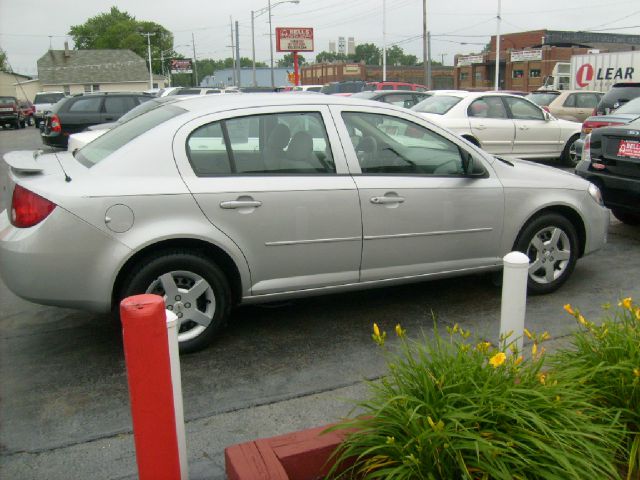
(289, 39)
(294, 39)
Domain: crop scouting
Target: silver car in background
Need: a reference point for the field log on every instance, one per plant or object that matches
(223, 200)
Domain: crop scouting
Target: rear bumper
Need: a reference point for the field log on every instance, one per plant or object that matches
(617, 192)
(55, 140)
(62, 261)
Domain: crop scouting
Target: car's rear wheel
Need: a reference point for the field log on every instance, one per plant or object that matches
(630, 218)
(570, 155)
(551, 243)
(192, 286)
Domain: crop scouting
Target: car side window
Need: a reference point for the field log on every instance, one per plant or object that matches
(283, 143)
(119, 105)
(570, 102)
(488, 107)
(391, 145)
(523, 109)
(83, 105)
(586, 100)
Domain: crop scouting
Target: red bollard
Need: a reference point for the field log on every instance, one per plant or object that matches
(159, 439)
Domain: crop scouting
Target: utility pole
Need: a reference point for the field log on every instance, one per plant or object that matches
(429, 80)
(273, 82)
(233, 51)
(195, 61)
(425, 47)
(442, 55)
(253, 51)
(497, 83)
(384, 40)
(148, 35)
(239, 82)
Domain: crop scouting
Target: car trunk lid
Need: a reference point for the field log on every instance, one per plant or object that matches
(621, 152)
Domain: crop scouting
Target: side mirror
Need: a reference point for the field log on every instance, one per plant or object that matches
(547, 116)
(470, 167)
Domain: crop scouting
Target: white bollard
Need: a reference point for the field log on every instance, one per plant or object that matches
(176, 380)
(514, 296)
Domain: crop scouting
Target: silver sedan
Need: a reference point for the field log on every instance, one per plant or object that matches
(216, 201)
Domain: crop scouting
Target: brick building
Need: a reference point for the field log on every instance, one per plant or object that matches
(526, 58)
(321, 73)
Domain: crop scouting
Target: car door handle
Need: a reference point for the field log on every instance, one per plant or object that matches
(240, 204)
(386, 200)
(523, 127)
(481, 126)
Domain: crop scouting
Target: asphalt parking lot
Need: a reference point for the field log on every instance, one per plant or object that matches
(277, 368)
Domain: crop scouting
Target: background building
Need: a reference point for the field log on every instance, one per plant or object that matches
(526, 58)
(224, 78)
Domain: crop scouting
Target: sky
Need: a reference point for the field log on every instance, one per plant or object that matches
(29, 27)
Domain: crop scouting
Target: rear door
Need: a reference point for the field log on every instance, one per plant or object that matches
(80, 113)
(275, 181)
(490, 123)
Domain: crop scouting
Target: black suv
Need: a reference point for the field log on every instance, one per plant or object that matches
(617, 96)
(74, 114)
(611, 160)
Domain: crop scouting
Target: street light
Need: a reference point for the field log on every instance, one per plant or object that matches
(255, 14)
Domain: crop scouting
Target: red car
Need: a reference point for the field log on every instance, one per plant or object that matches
(10, 113)
(28, 111)
(395, 86)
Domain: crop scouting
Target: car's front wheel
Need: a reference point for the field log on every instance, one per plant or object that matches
(192, 286)
(551, 243)
(570, 155)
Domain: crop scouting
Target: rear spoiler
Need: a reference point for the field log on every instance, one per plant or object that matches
(24, 161)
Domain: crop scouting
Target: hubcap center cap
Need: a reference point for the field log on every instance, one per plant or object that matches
(178, 307)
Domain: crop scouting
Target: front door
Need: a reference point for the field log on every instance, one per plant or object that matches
(421, 213)
(275, 184)
(536, 136)
(491, 125)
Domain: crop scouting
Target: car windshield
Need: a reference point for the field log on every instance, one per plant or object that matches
(438, 104)
(7, 100)
(97, 150)
(632, 106)
(47, 97)
(542, 99)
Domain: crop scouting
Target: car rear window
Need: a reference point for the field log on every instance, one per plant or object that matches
(47, 97)
(7, 100)
(97, 150)
(542, 99)
(438, 104)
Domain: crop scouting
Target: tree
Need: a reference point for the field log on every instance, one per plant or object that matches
(4, 65)
(119, 30)
(367, 53)
(331, 57)
(287, 60)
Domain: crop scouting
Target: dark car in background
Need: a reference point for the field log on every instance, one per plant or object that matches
(618, 95)
(343, 88)
(611, 160)
(394, 86)
(623, 115)
(74, 114)
(11, 113)
(401, 98)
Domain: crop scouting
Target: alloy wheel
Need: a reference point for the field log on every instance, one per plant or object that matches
(549, 252)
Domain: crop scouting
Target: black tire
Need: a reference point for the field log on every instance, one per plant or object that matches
(569, 155)
(23, 123)
(36, 123)
(186, 268)
(551, 243)
(630, 218)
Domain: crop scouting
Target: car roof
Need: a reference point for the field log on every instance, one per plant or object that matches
(220, 103)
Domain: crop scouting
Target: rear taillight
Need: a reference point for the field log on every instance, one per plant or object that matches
(55, 123)
(589, 125)
(29, 209)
